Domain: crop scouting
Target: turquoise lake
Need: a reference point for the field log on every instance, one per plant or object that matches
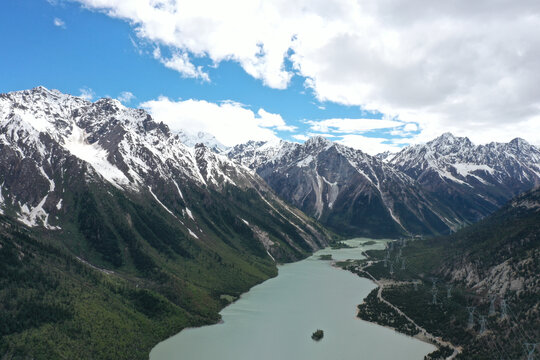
(275, 320)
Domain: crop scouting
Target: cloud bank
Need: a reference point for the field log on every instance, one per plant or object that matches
(230, 122)
(467, 67)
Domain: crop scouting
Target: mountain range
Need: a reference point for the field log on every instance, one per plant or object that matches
(56, 148)
(63, 157)
(429, 189)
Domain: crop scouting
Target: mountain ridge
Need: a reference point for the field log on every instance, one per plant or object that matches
(454, 181)
(120, 145)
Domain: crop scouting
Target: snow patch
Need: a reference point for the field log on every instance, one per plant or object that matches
(466, 169)
(160, 203)
(1, 199)
(449, 176)
(528, 204)
(179, 191)
(305, 162)
(39, 123)
(95, 155)
(190, 214)
(52, 185)
(33, 217)
(192, 234)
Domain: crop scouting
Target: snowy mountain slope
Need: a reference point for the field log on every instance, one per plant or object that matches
(209, 140)
(344, 188)
(472, 179)
(386, 156)
(56, 148)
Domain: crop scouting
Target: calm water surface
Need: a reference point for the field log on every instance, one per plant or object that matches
(275, 319)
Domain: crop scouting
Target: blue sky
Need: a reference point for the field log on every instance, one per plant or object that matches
(100, 48)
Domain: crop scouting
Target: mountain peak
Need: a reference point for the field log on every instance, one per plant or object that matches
(192, 139)
(106, 101)
(386, 156)
(318, 141)
(519, 142)
(447, 135)
(448, 139)
(40, 88)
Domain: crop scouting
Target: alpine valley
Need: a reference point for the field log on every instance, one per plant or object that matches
(116, 232)
(111, 225)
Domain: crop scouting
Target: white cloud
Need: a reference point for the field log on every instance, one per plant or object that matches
(59, 23)
(87, 93)
(273, 120)
(410, 127)
(180, 62)
(326, 135)
(469, 67)
(300, 137)
(406, 130)
(351, 125)
(368, 145)
(230, 122)
(126, 97)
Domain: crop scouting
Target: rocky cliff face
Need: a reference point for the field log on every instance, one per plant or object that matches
(500, 254)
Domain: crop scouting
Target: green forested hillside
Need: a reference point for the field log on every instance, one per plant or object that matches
(496, 260)
(53, 306)
(123, 274)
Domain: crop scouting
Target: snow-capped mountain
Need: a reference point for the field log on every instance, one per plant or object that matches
(64, 159)
(344, 188)
(209, 140)
(55, 147)
(472, 179)
(430, 188)
(386, 155)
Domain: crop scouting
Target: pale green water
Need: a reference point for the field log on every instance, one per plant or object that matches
(275, 319)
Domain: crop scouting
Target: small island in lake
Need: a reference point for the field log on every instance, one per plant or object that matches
(317, 335)
(325, 257)
(340, 245)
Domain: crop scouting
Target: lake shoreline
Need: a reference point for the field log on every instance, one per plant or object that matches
(296, 283)
(418, 336)
(422, 335)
